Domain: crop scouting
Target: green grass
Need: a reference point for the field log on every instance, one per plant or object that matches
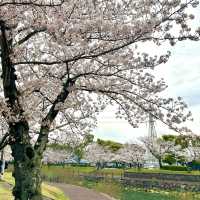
(109, 187)
(7, 177)
(53, 192)
(145, 196)
(163, 171)
(108, 171)
(5, 193)
(111, 171)
(61, 170)
(49, 191)
(134, 194)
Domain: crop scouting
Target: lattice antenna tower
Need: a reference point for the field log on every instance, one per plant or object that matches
(152, 130)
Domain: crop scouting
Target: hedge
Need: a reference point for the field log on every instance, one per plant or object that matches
(175, 168)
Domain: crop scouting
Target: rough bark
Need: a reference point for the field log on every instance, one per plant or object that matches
(160, 162)
(27, 166)
(27, 177)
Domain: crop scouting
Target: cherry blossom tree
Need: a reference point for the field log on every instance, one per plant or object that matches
(63, 61)
(191, 145)
(55, 156)
(193, 153)
(159, 148)
(98, 154)
(77, 148)
(132, 153)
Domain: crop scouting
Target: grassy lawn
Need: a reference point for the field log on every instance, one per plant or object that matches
(5, 193)
(145, 195)
(72, 171)
(47, 190)
(158, 195)
(111, 171)
(53, 192)
(60, 170)
(163, 171)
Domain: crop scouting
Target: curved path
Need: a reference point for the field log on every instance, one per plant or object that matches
(81, 193)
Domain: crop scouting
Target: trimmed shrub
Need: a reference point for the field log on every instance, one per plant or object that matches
(175, 168)
(194, 165)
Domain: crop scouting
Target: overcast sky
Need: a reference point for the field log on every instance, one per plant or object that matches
(182, 74)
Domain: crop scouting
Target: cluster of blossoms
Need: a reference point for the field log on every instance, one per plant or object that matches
(128, 153)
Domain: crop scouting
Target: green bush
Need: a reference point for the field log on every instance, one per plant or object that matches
(169, 159)
(195, 162)
(175, 168)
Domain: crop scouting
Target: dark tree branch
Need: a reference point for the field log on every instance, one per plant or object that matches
(8, 70)
(78, 57)
(27, 37)
(4, 141)
(53, 112)
(32, 4)
(92, 56)
(108, 93)
(11, 93)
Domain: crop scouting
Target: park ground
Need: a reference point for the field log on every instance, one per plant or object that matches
(71, 175)
(73, 187)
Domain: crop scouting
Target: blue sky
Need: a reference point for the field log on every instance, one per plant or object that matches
(182, 74)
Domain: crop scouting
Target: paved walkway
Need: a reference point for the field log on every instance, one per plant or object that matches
(81, 193)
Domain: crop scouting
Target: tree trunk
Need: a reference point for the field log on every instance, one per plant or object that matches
(27, 173)
(160, 162)
(27, 164)
(2, 166)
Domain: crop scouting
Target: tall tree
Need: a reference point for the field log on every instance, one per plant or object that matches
(160, 148)
(132, 153)
(55, 53)
(111, 145)
(98, 155)
(78, 148)
(191, 144)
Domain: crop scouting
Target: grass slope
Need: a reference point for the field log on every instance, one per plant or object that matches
(5, 193)
(47, 190)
